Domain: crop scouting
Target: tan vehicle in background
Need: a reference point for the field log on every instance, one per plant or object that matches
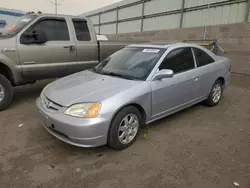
(41, 46)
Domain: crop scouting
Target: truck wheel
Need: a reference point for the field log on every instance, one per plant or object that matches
(124, 128)
(6, 92)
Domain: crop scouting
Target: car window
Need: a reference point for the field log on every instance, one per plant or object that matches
(179, 60)
(202, 58)
(55, 29)
(82, 30)
(136, 63)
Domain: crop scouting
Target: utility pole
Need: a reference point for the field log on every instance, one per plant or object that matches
(247, 18)
(56, 4)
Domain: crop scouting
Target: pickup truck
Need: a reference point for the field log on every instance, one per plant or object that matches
(42, 46)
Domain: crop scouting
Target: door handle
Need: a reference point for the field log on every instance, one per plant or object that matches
(71, 48)
(195, 78)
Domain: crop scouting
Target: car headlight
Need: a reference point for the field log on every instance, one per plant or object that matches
(84, 110)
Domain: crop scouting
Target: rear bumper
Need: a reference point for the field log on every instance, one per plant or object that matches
(74, 131)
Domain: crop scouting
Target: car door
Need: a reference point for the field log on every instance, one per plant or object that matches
(86, 44)
(172, 94)
(205, 71)
(55, 58)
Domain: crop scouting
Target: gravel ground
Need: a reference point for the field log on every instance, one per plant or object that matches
(199, 147)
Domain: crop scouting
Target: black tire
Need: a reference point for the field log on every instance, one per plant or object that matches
(8, 93)
(113, 140)
(209, 101)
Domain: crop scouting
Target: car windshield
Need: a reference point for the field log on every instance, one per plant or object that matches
(16, 27)
(130, 63)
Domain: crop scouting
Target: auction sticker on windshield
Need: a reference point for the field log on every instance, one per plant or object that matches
(25, 20)
(151, 50)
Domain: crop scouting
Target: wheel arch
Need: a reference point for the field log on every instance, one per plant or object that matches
(222, 80)
(7, 72)
(136, 105)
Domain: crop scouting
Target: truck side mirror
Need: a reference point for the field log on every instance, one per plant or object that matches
(41, 37)
(34, 37)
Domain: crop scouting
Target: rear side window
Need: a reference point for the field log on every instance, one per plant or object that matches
(55, 29)
(202, 58)
(82, 30)
(179, 60)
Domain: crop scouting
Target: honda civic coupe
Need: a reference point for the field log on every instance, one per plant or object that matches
(137, 85)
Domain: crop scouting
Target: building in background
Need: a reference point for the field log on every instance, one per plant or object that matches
(9, 16)
(146, 15)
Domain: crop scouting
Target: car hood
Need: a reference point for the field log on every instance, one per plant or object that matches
(86, 86)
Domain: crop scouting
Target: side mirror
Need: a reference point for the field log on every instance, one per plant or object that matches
(33, 37)
(164, 73)
(41, 37)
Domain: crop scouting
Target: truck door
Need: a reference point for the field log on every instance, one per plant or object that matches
(86, 43)
(54, 58)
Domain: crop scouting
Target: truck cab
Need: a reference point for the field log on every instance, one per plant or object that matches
(42, 46)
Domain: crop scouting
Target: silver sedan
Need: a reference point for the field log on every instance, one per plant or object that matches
(133, 87)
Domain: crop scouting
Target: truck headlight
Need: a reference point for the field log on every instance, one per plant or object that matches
(84, 110)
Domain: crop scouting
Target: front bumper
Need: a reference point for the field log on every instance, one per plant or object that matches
(79, 132)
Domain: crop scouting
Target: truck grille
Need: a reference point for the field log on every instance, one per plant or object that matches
(50, 104)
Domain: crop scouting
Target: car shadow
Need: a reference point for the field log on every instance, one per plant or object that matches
(28, 93)
(73, 150)
(171, 118)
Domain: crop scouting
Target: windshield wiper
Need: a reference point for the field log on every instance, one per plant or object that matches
(5, 35)
(95, 70)
(117, 75)
(1, 35)
(112, 74)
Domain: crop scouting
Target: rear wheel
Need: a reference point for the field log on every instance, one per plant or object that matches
(215, 94)
(124, 128)
(6, 92)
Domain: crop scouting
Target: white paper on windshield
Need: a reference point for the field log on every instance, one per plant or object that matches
(151, 50)
(25, 20)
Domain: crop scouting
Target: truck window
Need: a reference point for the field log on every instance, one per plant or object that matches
(82, 30)
(55, 29)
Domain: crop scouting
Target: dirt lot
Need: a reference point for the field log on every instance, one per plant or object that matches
(200, 147)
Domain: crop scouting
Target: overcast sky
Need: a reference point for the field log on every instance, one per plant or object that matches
(66, 7)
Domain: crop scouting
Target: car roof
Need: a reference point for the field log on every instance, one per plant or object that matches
(166, 45)
(163, 45)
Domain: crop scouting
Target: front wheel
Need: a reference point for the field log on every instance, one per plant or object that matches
(6, 92)
(124, 128)
(215, 94)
